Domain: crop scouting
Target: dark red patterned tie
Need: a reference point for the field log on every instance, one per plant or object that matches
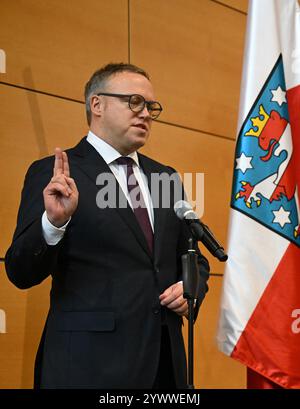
(137, 199)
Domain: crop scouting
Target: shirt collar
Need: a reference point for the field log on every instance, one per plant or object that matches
(108, 153)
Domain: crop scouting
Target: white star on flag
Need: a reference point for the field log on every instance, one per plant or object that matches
(279, 95)
(281, 216)
(243, 163)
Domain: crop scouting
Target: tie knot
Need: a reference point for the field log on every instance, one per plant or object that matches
(125, 160)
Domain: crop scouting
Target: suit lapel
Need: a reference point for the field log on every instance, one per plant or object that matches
(92, 164)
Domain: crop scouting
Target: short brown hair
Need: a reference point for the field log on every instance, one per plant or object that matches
(98, 81)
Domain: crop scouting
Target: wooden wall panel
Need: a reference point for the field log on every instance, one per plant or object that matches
(32, 125)
(190, 151)
(13, 302)
(213, 369)
(193, 51)
(241, 5)
(62, 42)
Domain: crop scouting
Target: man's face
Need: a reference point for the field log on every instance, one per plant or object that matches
(125, 130)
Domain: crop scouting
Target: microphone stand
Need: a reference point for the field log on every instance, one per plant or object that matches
(190, 270)
(191, 282)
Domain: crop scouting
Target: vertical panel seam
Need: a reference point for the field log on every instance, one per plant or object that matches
(128, 34)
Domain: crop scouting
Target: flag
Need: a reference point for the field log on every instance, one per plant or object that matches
(259, 321)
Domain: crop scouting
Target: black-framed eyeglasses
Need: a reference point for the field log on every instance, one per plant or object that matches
(137, 103)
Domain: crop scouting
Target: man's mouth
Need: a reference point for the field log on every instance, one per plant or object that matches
(141, 126)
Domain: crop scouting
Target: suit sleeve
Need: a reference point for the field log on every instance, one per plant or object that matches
(29, 260)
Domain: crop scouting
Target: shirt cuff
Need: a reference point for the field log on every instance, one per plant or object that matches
(52, 234)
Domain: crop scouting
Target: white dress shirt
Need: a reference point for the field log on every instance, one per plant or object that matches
(54, 234)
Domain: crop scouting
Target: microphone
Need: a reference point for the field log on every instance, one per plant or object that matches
(200, 231)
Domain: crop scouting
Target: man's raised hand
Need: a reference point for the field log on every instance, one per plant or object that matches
(61, 194)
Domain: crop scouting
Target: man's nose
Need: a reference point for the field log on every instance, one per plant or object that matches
(145, 112)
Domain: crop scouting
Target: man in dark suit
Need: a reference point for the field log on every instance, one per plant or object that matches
(116, 302)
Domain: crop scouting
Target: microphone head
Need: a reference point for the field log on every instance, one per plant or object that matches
(184, 210)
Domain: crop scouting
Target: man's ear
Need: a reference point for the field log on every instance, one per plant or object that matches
(96, 105)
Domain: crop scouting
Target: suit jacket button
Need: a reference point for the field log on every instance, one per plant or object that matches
(38, 251)
(155, 310)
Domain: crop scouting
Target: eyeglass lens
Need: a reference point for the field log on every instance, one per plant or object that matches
(137, 104)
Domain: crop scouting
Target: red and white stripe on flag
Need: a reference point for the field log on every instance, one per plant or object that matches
(259, 321)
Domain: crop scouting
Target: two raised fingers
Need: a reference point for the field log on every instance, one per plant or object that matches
(63, 185)
(61, 180)
(61, 163)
